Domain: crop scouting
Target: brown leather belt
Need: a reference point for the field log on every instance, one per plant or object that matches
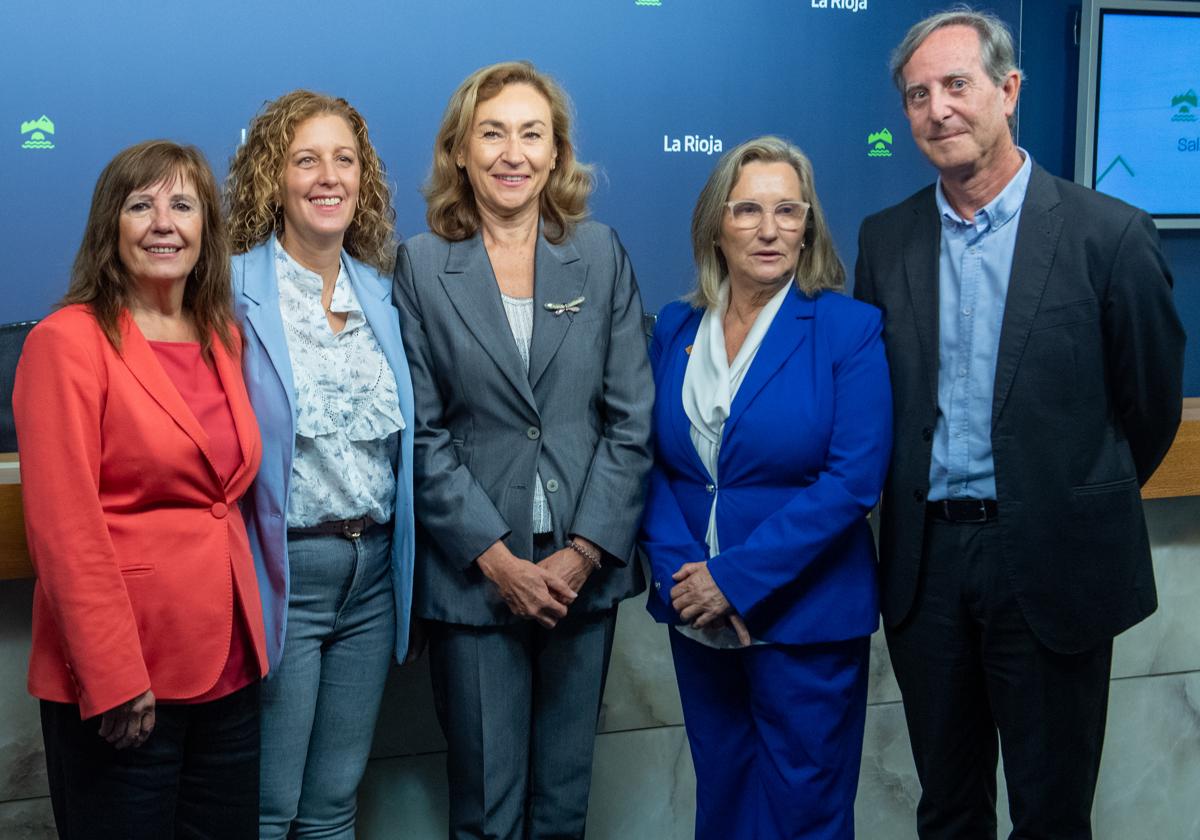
(963, 510)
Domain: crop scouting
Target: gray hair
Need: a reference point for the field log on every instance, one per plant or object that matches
(995, 44)
(819, 267)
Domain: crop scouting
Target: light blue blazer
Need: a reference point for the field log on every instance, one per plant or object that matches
(802, 461)
(268, 371)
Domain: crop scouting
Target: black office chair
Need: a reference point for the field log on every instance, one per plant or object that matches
(12, 339)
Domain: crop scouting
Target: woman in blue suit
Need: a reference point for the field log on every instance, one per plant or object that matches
(772, 431)
(330, 516)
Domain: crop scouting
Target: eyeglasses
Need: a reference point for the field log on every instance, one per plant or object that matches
(747, 215)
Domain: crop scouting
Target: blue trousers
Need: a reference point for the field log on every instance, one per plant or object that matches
(320, 704)
(776, 734)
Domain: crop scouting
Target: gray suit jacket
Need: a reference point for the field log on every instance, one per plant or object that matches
(1087, 399)
(580, 418)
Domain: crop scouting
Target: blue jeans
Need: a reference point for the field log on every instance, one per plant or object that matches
(320, 703)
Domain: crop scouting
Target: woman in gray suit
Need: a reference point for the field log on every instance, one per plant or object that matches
(522, 325)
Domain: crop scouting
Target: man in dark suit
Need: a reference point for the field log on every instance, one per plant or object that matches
(1036, 361)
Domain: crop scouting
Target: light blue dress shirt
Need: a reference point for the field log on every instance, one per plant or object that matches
(973, 273)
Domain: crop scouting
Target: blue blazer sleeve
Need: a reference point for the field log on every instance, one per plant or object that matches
(780, 550)
(665, 538)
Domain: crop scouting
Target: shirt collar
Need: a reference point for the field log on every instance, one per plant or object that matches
(310, 285)
(996, 213)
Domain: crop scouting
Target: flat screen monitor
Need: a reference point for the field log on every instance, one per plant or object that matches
(1138, 134)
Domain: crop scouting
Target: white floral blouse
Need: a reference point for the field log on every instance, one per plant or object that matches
(348, 410)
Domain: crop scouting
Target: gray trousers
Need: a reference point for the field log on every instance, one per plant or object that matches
(518, 705)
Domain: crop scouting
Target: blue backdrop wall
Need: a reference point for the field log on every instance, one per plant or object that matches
(643, 74)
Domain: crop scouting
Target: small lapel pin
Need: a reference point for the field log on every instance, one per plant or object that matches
(688, 349)
(571, 306)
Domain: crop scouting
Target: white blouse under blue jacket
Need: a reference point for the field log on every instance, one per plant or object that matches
(270, 382)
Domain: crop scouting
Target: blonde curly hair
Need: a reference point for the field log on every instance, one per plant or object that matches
(252, 189)
(450, 201)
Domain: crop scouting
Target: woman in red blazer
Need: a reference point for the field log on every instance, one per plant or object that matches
(137, 441)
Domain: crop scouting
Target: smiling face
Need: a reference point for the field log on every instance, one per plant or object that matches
(959, 116)
(759, 258)
(320, 182)
(159, 232)
(510, 152)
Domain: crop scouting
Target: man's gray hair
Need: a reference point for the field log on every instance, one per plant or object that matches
(995, 42)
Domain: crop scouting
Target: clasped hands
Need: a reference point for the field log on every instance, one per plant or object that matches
(700, 602)
(540, 591)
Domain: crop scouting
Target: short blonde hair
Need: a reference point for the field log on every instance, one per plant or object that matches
(451, 211)
(819, 267)
(256, 173)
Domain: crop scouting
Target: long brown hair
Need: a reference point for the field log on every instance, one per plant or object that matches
(101, 281)
(450, 202)
(252, 188)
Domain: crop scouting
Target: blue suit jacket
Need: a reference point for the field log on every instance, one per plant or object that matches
(802, 462)
(268, 371)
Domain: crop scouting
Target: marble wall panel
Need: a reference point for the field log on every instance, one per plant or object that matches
(22, 763)
(641, 690)
(27, 819)
(403, 797)
(642, 787)
(1169, 640)
(887, 784)
(1150, 771)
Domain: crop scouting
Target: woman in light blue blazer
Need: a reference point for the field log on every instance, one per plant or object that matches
(772, 429)
(330, 516)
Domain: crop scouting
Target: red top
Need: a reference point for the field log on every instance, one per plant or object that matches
(201, 389)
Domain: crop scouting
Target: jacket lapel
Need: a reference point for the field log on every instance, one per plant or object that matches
(1037, 242)
(260, 289)
(143, 364)
(787, 332)
(671, 393)
(559, 277)
(375, 298)
(921, 250)
(471, 286)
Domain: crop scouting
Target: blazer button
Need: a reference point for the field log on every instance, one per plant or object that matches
(710, 488)
(533, 433)
(552, 486)
(927, 434)
(919, 495)
(219, 509)
(658, 584)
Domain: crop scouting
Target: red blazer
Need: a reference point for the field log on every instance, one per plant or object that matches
(139, 548)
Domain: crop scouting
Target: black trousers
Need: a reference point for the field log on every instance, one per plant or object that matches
(970, 669)
(196, 776)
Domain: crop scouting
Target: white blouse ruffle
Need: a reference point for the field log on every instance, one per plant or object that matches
(348, 414)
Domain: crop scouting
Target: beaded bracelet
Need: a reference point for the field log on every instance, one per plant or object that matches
(587, 554)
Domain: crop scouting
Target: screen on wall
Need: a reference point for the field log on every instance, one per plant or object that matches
(1142, 107)
(660, 88)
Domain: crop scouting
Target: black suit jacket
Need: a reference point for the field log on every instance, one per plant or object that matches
(1088, 394)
